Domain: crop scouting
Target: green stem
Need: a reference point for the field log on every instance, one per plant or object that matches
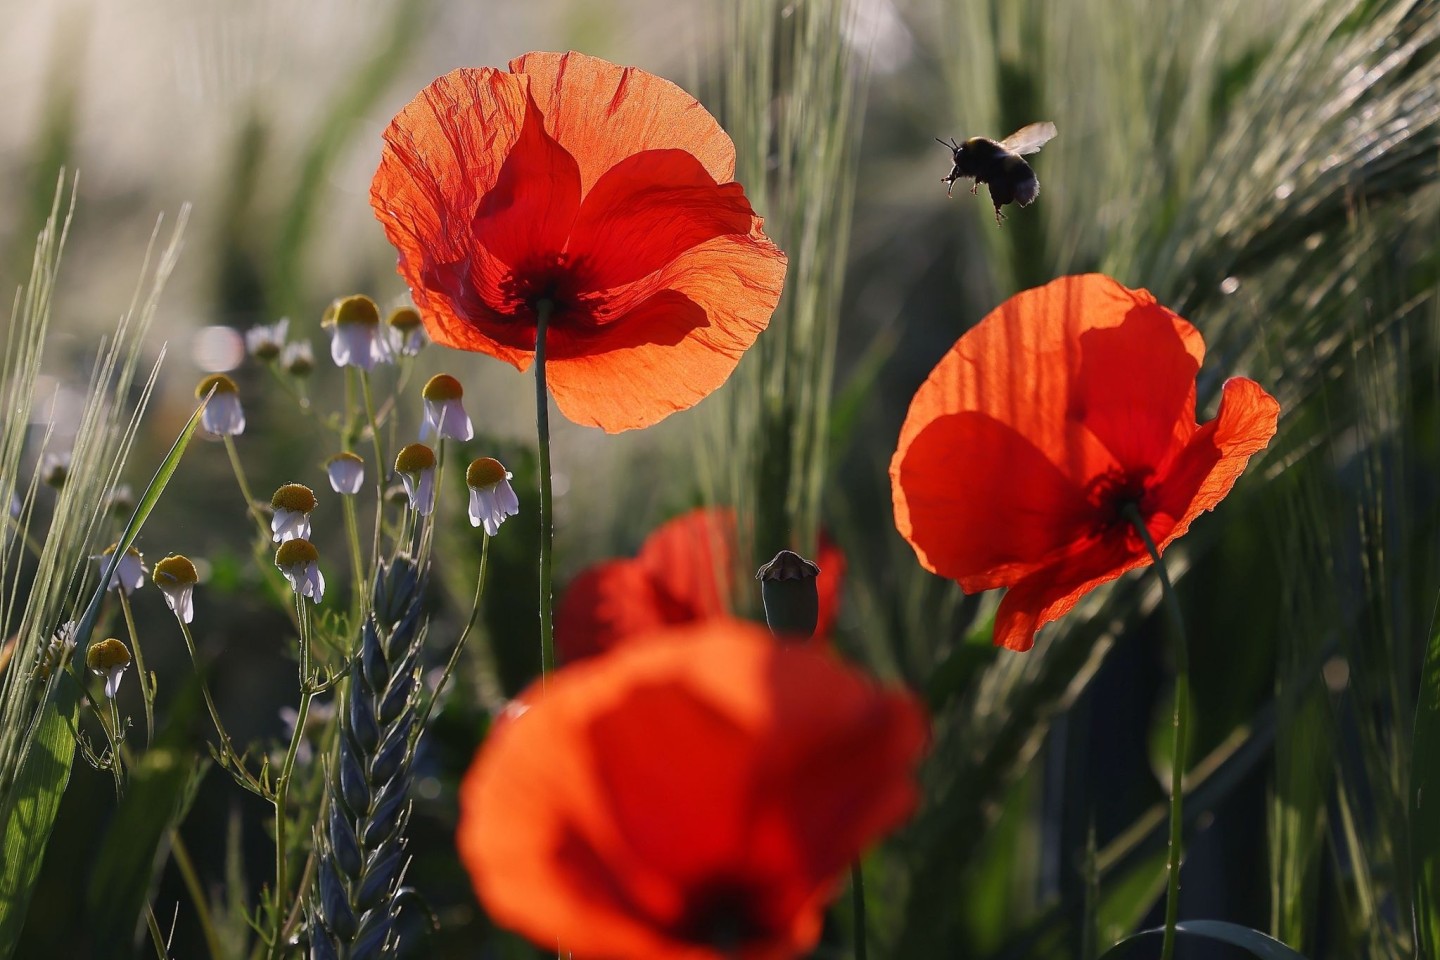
(459, 644)
(250, 505)
(147, 694)
(357, 565)
(857, 906)
(186, 866)
(547, 522)
(229, 759)
(282, 783)
(1180, 725)
(379, 464)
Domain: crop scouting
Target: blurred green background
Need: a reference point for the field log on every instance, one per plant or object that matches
(1268, 170)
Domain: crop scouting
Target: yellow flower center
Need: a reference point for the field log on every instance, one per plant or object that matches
(414, 458)
(344, 458)
(441, 387)
(175, 570)
(104, 656)
(357, 309)
(295, 553)
(485, 472)
(218, 381)
(404, 318)
(295, 497)
(130, 552)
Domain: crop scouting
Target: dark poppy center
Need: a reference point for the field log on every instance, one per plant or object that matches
(722, 914)
(556, 278)
(1113, 493)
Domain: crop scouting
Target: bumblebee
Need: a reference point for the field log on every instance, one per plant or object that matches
(1000, 164)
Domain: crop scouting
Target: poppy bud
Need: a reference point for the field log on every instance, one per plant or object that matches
(792, 602)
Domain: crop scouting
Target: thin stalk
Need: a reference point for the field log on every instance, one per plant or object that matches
(250, 505)
(229, 758)
(379, 463)
(1180, 725)
(459, 644)
(117, 767)
(196, 889)
(857, 906)
(427, 531)
(282, 783)
(146, 693)
(542, 430)
(357, 563)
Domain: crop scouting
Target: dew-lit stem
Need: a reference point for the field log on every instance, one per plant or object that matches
(227, 749)
(1180, 724)
(547, 523)
(250, 505)
(459, 644)
(282, 783)
(427, 529)
(357, 564)
(857, 906)
(379, 462)
(146, 693)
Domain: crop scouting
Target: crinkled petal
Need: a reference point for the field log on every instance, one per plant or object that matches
(668, 341)
(980, 503)
(647, 210)
(602, 113)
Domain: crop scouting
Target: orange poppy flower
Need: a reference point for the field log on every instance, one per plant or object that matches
(603, 190)
(684, 572)
(693, 798)
(1063, 406)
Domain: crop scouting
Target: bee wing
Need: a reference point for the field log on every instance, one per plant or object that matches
(1029, 139)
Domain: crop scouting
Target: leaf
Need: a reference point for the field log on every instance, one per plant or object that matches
(1258, 944)
(1425, 821)
(34, 799)
(157, 797)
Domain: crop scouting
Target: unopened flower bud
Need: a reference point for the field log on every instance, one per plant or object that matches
(792, 602)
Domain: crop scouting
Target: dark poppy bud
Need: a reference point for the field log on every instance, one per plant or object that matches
(792, 603)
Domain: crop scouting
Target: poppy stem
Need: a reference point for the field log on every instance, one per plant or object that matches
(1180, 725)
(542, 430)
(857, 906)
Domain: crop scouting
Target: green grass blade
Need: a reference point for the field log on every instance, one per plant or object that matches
(1256, 943)
(45, 765)
(1425, 821)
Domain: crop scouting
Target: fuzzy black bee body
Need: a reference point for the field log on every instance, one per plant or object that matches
(1000, 165)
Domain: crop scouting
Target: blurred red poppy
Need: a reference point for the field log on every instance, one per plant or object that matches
(1044, 421)
(689, 800)
(602, 190)
(684, 572)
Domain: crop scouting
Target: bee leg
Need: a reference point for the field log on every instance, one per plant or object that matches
(973, 187)
(999, 217)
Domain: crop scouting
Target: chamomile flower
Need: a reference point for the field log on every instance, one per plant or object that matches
(129, 574)
(223, 416)
(300, 563)
(57, 650)
(404, 332)
(121, 500)
(176, 578)
(347, 473)
(108, 659)
(492, 499)
(298, 358)
(416, 466)
(265, 342)
(355, 340)
(444, 414)
(292, 504)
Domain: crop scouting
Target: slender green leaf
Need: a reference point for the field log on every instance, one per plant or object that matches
(45, 770)
(1258, 944)
(1425, 820)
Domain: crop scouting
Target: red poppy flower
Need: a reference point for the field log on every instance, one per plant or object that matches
(683, 573)
(1063, 406)
(689, 800)
(601, 189)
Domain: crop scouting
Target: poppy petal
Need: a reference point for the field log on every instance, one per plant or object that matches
(602, 113)
(1048, 593)
(650, 798)
(647, 210)
(665, 343)
(1203, 473)
(1135, 389)
(442, 152)
(972, 521)
(532, 205)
